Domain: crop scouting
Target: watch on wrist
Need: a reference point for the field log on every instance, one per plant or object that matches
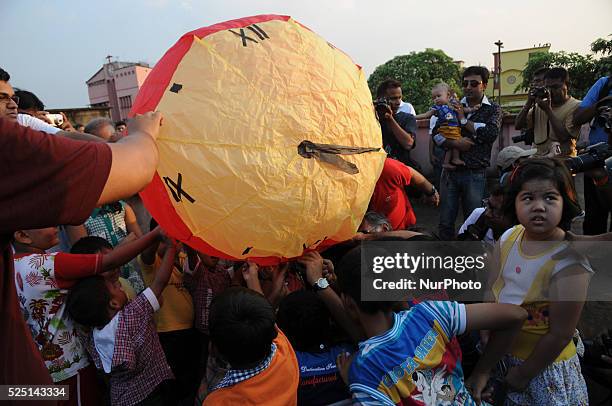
(320, 284)
(433, 191)
(463, 121)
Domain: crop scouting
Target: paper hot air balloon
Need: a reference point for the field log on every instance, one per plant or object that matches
(269, 143)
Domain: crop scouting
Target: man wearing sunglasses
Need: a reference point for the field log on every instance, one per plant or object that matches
(551, 116)
(479, 130)
(9, 110)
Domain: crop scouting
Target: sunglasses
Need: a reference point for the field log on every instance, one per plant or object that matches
(471, 83)
(5, 98)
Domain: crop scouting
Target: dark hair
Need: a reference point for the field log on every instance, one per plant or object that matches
(477, 70)
(304, 318)
(28, 100)
(376, 219)
(4, 75)
(558, 73)
(541, 71)
(350, 280)
(387, 84)
(87, 302)
(242, 326)
(90, 245)
(550, 169)
(497, 190)
(120, 122)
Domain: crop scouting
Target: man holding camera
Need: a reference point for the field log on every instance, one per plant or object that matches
(549, 112)
(398, 128)
(597, 209)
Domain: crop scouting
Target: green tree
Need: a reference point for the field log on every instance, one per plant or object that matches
(418, 72)
(583, 70)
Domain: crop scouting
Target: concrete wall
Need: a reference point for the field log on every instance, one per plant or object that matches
(421, 152)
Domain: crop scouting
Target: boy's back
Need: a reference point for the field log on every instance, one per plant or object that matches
(412, 363)
(276, 384)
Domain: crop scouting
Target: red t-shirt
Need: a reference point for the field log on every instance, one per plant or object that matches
(390, 197)
(46, 180)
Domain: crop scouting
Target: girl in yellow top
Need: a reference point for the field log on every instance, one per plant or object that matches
(544, 367)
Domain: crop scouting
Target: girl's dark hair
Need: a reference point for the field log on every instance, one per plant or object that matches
(90, 245)
(304, 318)
(550, 169)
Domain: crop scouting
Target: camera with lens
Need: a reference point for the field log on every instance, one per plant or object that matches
(56, 119)
(593, 157)
(539, 92)
(382, 104)
(525, 136)
(603, 118)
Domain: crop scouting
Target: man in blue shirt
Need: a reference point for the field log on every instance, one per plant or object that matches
(596, 210)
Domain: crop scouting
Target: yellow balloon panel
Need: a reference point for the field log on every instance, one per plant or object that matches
(232, 131)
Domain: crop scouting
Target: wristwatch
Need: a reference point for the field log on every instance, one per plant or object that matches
(463, 121)
(433, 191)
(320, 284)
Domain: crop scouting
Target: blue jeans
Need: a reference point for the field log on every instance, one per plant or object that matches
(466, 186)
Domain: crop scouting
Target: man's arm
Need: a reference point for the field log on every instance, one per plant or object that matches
(420, 182)
(73, 135)
(520, 122)
(590, 103)
(405, 138)
(134, 159)
(556, 124)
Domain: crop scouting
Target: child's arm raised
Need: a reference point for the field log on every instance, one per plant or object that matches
(568, 290)
(162, 276)
(426, 115)
(131, 222)
(250, 272)
(124, 253)
(313, 263)
(505, 320)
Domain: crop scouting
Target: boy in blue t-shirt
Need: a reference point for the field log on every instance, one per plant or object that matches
(404, 356)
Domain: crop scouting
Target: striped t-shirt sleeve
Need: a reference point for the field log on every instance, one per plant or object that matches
(450, 315)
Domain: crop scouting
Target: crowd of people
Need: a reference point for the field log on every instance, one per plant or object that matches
(96, 296)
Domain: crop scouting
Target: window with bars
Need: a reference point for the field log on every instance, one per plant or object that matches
(125, 102)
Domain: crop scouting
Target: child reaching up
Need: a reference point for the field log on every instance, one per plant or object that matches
(122, 340)
(447, 120)
(544, 367)
(403, 358)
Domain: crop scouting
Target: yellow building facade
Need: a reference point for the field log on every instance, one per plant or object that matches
(512, 64)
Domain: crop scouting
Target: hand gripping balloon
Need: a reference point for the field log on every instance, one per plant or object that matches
(269, 144)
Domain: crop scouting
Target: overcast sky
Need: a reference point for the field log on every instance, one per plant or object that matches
(52, 47)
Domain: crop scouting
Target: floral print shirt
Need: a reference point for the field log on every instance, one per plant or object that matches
(42, 282)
